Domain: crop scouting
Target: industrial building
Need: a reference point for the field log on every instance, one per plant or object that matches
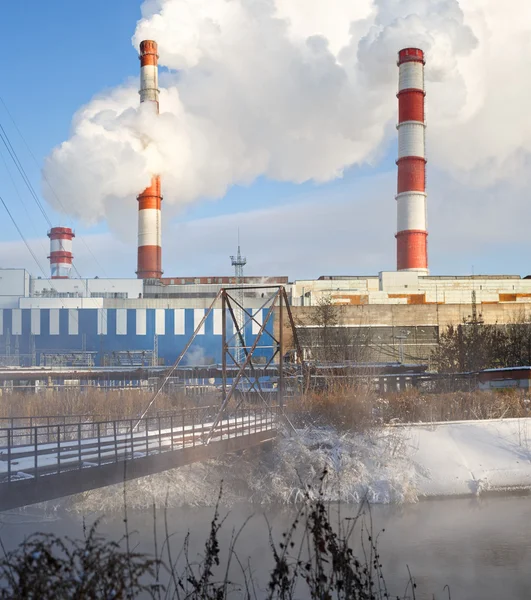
(147, 320)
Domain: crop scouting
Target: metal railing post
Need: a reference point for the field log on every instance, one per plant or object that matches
(171, 432)
(115, 442)
(99, 445)
(147, 438)
(58, 449)
(184, 420)
(79, 443)
(193, 429)
(132, 439)
(160, 437)
(36, 459)
(9, 435)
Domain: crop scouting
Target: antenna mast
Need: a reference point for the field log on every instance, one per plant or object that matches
(238, 262)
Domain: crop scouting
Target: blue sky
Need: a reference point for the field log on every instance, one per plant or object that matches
(60, 53)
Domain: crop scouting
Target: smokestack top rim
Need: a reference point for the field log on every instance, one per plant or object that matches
(61, 233)
(410, 54)
(148, 47)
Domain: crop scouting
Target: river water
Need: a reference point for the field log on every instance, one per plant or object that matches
(480, 547)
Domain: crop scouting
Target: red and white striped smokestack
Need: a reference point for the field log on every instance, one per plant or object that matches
(412, 234)
(61, 252)
(149, 201)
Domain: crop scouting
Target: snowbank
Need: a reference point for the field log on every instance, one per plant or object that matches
(469, 457)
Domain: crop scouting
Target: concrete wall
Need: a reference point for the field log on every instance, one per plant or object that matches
(402, 329)
(416, 315)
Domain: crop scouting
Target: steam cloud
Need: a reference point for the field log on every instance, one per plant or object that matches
(298, 90)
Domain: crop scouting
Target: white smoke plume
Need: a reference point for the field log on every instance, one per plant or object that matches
(298, 90)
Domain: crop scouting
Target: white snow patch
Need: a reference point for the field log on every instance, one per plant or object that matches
(470, 457)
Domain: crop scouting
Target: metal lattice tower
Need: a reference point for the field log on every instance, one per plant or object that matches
(238, 262)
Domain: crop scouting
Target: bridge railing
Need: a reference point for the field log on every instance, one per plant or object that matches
(87, 421)
(41, 450)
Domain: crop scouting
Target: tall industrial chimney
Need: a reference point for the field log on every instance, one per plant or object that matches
(60, 252)
(149, 201)
(411, 237)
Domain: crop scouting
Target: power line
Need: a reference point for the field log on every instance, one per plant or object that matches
(14, 157)
(22, 236)
(50, 185)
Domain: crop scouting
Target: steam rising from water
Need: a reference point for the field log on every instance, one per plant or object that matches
(289, 90)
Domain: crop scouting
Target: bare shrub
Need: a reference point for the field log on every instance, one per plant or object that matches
(355, 407)
(346, 407)
(413, 406)
(47, 567)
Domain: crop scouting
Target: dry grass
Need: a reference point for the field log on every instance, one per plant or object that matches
(354, 408)
(345, 407)
(112, 404)
(413, 406)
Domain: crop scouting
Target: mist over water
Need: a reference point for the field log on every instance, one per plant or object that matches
(480, 547)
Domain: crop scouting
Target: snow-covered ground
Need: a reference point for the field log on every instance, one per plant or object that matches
(385, 465)
(465, 457)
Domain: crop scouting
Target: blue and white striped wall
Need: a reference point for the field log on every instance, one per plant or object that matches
(105, 330)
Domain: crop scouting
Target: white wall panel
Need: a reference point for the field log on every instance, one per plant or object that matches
(102, 321)
(36, 321)
(54, 321)
(199, 313)
(121, 321)
(73, 321)
(13, 282)
(218, 321)
(258, 316)
(160, 325)
(178, 327)
(141, 328)
(16, 324)
(411, 76)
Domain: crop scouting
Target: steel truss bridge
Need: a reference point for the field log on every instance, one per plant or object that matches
(50, 457)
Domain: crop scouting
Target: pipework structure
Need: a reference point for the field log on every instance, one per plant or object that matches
(61, 256)
(149, 265)
(412, 234)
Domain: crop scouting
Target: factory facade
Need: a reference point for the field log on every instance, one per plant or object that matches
(131, 322)
(92, 322)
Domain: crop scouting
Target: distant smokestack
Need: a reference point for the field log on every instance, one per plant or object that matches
(411, 237)
(61, 252)
(149, 201)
